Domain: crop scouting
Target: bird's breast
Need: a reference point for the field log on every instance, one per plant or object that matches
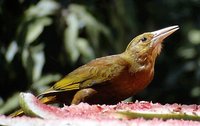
(128, 83)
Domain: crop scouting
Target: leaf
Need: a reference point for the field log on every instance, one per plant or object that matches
(70, 37)
(187, 52)
(38, 57)
(44, 81)
(93, 26)
(10, 104)
(33, 60)
(43, 8)
(11, 51)
(194, 36)
(85, 49)
(27, 62)
(35, 28)
(195, 92)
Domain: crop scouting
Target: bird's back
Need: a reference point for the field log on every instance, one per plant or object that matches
(111, 77)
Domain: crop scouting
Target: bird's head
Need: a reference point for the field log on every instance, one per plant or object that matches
(149, 44)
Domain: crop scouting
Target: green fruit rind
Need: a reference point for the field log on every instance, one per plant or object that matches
(25, 105)
(151, 115)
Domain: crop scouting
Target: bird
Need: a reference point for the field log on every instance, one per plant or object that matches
(110, 79)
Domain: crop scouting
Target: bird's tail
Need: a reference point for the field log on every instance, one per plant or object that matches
(44, 100)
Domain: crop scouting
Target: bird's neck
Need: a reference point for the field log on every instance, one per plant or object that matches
(140, 62)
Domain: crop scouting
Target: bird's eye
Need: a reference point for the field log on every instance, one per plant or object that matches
(143, 39)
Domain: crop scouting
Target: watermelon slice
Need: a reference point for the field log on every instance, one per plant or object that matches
(125, 114)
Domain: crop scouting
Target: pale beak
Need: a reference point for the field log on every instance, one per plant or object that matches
(160, 35)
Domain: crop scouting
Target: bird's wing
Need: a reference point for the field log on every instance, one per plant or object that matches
(95, 72)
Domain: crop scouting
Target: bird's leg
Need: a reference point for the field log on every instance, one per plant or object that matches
(82, 95)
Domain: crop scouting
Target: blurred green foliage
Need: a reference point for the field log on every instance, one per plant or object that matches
(43, 40)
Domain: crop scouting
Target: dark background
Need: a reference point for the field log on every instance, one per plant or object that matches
(41, 41)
